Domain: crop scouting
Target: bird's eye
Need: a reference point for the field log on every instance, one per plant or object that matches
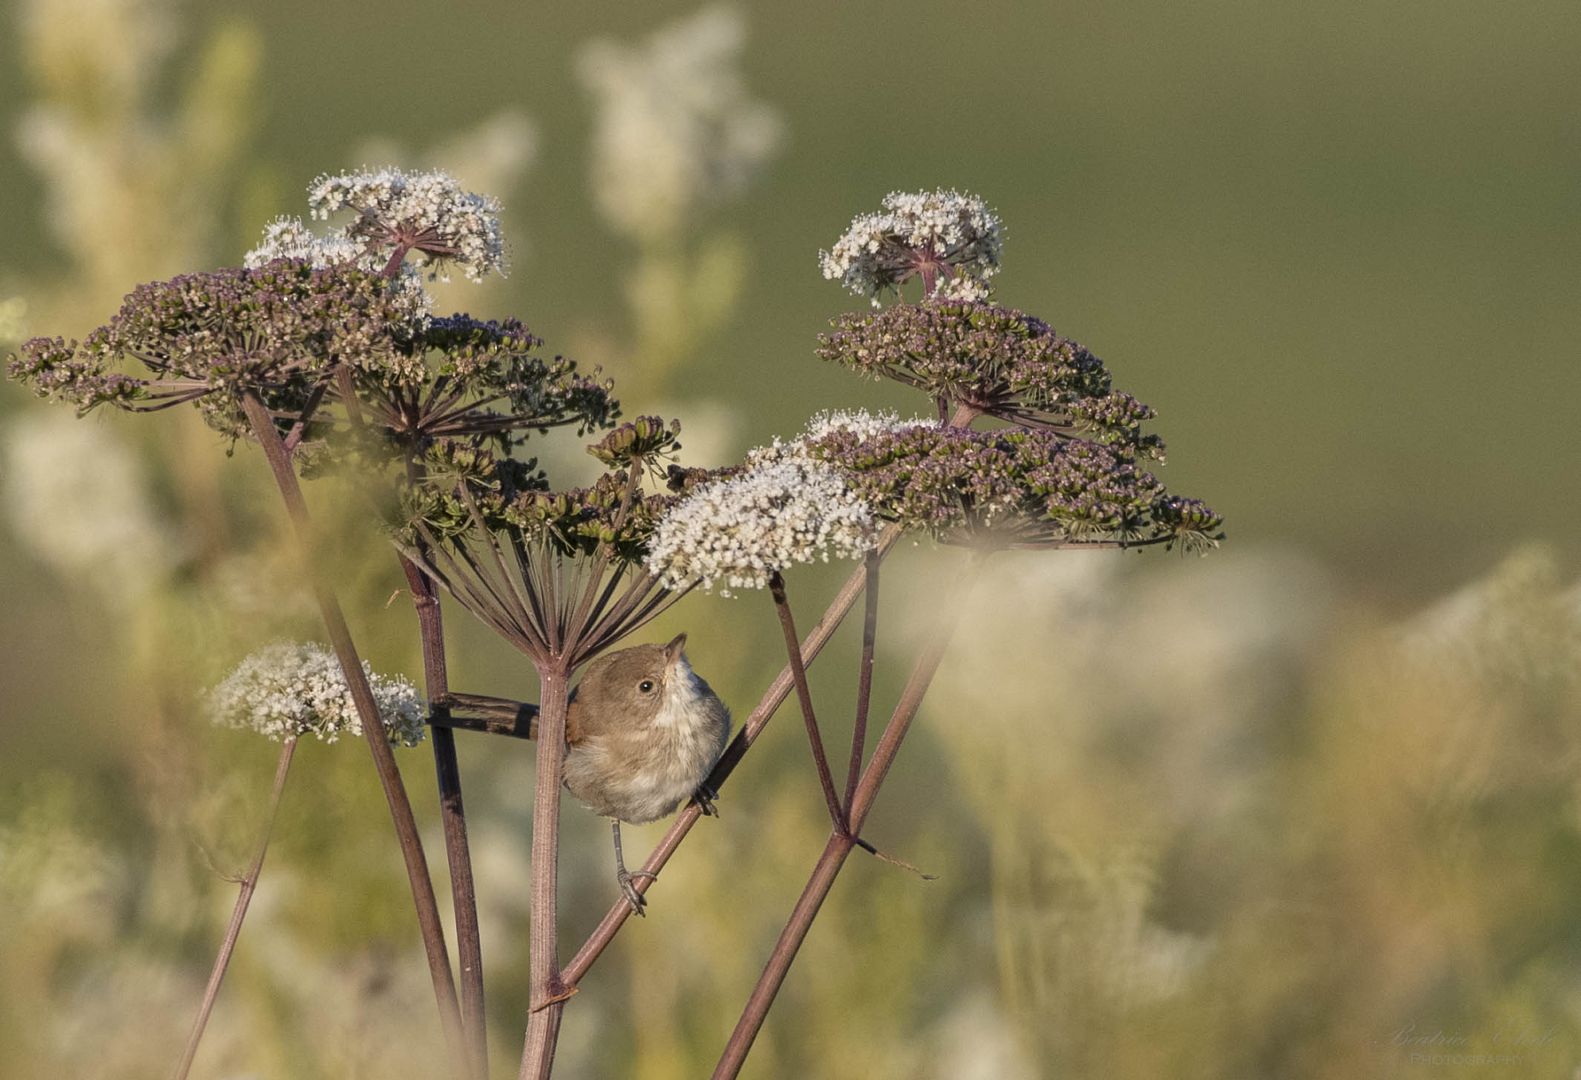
(646, 686)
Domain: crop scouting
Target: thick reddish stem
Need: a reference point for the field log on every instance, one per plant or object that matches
(547, 990)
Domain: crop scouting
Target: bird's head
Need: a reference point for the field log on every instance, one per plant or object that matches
(642, 682)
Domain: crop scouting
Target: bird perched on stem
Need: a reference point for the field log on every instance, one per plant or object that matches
(643, 732)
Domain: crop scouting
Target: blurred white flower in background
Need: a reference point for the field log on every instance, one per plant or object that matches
(50, 870)
(1091, 707)
(13, 319)
(79, 501)
(675, 129)
(133, 189)
(974, 1041)
(1519, 616)
(710, 429)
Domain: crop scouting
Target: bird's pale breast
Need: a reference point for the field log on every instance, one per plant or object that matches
(643, 774)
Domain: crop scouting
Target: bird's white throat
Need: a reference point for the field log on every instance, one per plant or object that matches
(683, 705)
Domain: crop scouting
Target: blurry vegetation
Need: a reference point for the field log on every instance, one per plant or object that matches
(1235, 817)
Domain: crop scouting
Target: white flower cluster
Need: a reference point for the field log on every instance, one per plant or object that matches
(951, 230)
(676, 129)
(290, 238)
(782, 510)
(427, 209)
(860, 422)
(290, 689)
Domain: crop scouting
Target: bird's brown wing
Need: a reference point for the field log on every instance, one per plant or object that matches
(574, 731)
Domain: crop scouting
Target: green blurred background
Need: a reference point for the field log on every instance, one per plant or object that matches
(1306, 807)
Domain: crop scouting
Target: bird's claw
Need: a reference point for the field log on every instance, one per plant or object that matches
(704, 797)
(627, 879)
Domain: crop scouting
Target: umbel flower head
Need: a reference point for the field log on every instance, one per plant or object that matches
(277, 330)
(469, 391)
(423, 212)
(1010, 487)
(950, 239)
(396, 214)
(285, 329)
(783, 508)
(997, 361)
(287, 690)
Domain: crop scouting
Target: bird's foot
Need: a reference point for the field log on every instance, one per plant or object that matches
(627, 879)
(704, 797)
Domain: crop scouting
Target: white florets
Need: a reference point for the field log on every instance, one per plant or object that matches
(290, 238)
(290, 689)
(738, 531)
(963, 288)
(860, 422)
(676, 128)
(426, 209)
(953, 231)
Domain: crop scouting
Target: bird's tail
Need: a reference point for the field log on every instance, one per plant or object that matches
(480, 712)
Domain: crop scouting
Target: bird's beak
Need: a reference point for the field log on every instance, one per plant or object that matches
(675, 649)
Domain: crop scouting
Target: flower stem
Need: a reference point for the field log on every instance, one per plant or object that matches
(834, 855)
(463, 892)
(864, 686)
(798, 671)
(233, 929)
(411, 843)
(547, 990)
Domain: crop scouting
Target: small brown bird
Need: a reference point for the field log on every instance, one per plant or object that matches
(643, 732)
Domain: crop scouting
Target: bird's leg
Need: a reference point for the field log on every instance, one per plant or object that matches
(627, 877)
(704, 797)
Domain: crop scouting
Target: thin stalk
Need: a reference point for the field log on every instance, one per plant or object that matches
(798, 671)
(834, 854)
(233, 929)
(452, 811)
(411, 843)
(547, 990)
(864, 686)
